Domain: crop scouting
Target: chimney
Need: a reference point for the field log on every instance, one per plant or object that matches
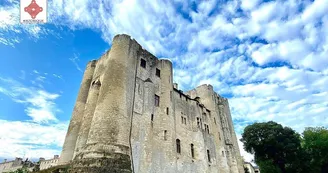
(5, 160)
(56, 156)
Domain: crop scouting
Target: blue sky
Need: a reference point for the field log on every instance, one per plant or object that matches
(270, 58)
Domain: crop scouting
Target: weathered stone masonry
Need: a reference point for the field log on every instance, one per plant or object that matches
(131, 117)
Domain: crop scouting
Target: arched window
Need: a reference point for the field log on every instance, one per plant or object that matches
(192, 150)
(178, 146)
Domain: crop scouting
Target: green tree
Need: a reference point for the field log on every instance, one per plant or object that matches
(20, 170)
(273, 146)
(315, 144)
(267, 166)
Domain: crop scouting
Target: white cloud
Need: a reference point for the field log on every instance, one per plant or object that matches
(39, 104)
(249, 5)
(30, 140)
(75, 61)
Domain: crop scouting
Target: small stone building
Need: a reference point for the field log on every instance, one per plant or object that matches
(130, 116)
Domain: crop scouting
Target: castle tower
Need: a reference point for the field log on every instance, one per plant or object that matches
(77, 116)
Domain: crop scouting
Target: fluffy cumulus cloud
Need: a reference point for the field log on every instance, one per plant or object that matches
(31, 140)
(40, 133)
(270, 58)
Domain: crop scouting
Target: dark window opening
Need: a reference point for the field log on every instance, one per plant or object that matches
(178, 146)
(183, 120)
(214, 121)
(143, 63)
(222, 153)
(219, 136)
(198, 123)
(207, 128)
(156, 100)
(167, 111)
(192, 150)
(158, 72)
(165, 135)
(152, 120)
(208, 156)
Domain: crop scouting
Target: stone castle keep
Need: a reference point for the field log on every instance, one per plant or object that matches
(130, 117)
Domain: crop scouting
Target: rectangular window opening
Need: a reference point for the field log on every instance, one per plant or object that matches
(198, 123)
(143, 63)
(178, 146)
(192, 150)
(156, 100)
(165, 135)
(152, 120)
(208, 156)
(167, 111)
(158, 72)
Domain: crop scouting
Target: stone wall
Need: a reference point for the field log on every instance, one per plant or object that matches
(46, 164)
(8, 166)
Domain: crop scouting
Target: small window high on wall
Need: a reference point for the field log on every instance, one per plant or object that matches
(165, 135)
(158, 72)
(192, 150)
(143, 63)
(156, 100)
(208, 156)
(178, 145)
(198, 123)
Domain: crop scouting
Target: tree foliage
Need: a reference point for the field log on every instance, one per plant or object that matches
(279, 149)
(272, 143)
(315, 144)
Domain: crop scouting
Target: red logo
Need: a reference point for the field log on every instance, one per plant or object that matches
(33, 9)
